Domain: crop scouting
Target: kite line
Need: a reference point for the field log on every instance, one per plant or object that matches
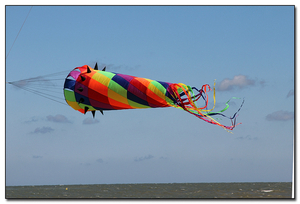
(19, 32)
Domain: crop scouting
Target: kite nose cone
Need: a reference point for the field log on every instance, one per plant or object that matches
(96, 66)
(86, 109)
(88, 70)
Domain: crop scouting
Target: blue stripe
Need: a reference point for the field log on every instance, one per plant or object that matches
(70, 84)
(121, 81)
(136, 99)
(164, 84)
(86, 99)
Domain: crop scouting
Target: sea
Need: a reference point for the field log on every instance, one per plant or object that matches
(264, 190)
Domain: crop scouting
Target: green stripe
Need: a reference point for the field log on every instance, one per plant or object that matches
(69, 95)
(117, 88)
(159, 86)
(227, 106)
(81, 105)
(107, 74)
(169, 100)
(134, 104)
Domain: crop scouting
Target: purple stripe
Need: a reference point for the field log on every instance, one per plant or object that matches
(99, 106)
(74, 74)
(132, 89)
(126, 77)
(84, 91)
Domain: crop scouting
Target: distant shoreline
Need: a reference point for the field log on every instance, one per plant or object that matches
(154, 190)
(139, 183)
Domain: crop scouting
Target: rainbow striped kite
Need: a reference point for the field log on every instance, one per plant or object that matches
(88, 89)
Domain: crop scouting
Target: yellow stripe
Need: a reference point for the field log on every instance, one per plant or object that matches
(214, 99)
(137, 105)
(101, 78)
(113, 95)
(74, 105)
(158, 92)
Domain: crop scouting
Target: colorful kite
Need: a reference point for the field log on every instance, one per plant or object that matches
(88, 89)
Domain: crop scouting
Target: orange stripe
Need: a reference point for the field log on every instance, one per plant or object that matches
(114, 95)
(143, 82)
(155, 98)
(98, 87)
(151, 96)
(118, 105)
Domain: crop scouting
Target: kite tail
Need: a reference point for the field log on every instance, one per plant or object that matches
(186, 99)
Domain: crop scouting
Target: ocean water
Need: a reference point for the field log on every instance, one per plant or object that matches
(160, 190)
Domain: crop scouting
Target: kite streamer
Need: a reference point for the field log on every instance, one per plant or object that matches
(88, 89)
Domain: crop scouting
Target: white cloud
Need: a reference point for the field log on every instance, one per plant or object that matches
(144, 158)
(280, 116)
(58, 119)
(43, 130)
(37, 157)
(88, 121)
(32, 119)
(239, 81)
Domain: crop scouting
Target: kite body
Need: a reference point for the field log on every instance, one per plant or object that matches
(88, 89)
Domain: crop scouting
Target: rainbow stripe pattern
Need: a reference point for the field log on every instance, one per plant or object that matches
(88, 89)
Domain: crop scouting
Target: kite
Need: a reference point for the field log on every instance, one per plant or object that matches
(91, 90)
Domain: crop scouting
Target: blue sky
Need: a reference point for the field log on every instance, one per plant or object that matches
(248, 50)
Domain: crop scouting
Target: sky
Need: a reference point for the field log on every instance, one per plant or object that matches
(248, 50)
